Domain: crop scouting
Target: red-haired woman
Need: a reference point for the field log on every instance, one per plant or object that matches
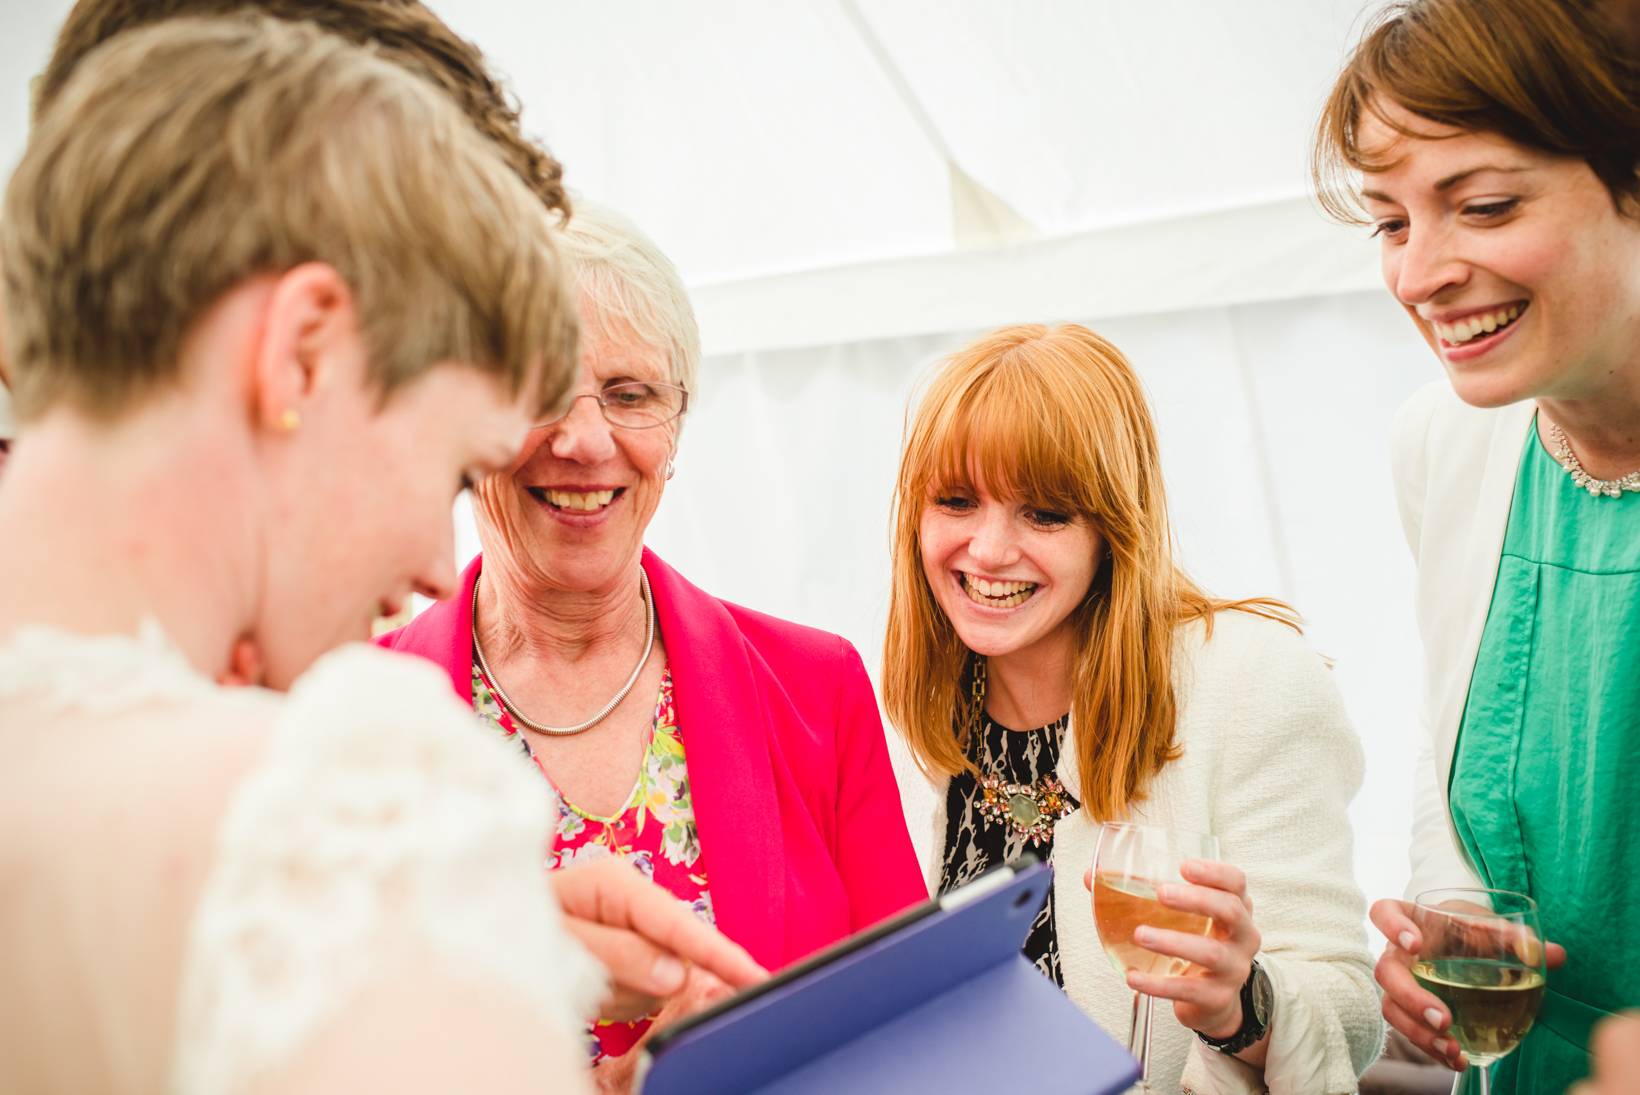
(1498, 144)
(1041, 635)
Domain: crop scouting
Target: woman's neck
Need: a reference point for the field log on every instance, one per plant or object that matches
(150, 517)
(1028, 688)
(521, 615)
(1602, 423)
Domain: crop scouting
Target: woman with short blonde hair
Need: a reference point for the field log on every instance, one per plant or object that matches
(737, 760)
(1041, 636)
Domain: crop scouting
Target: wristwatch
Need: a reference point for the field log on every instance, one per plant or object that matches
(1257, 1002)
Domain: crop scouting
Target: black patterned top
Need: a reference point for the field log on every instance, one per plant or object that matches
(974, 844)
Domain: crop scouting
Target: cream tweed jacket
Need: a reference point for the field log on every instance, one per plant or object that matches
(1270, 765)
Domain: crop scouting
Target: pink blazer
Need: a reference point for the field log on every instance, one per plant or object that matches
(798, 811)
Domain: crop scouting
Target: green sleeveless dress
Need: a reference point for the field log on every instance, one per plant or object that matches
(1547, 766)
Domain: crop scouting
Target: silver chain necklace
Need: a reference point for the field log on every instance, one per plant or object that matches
(1566, 458)
(519, 716)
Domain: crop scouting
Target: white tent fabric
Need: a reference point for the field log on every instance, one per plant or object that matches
(1273, 420)
(754, 138)
(852, 187)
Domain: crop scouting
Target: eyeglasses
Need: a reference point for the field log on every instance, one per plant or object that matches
(633, 405)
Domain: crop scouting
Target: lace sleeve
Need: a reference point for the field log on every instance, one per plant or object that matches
(383, 824)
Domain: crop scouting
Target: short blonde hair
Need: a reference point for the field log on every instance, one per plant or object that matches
(1055, 416)
(182, 159)
(621, 273)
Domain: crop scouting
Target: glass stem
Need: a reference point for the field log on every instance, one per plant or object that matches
(1144, 1010)
(1474, 1080)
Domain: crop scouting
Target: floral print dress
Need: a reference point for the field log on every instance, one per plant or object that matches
(655, 832)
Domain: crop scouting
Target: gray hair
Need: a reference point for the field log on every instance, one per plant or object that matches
(621, 272)
(8, 425)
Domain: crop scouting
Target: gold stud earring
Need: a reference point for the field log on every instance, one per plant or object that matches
(289, 420)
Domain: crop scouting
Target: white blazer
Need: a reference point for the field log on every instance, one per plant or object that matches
(1455, 468)
(1270, 765)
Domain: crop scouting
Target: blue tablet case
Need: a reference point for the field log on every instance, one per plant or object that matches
(946, 1004)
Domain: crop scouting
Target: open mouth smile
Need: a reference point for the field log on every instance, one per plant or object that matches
(1478, 329)
(565, 501)
(996, 594)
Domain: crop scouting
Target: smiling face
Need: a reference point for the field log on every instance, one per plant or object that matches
(1006, 574)
(1515, 264)
(366, 511)
(571, 513)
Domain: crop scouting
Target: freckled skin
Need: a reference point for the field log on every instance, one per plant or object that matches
(1472, 221)
(1029, 645)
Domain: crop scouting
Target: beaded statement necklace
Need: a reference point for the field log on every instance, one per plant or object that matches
(1566, 458)
(1030, 809)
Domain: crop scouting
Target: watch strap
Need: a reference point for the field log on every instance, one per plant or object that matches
(1251, 1028)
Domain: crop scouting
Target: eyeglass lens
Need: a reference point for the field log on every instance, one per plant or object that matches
(635, 405)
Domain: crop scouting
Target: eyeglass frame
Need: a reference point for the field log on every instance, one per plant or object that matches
(603, 408)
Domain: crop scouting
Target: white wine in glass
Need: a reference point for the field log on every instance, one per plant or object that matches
(1482, 956)
(1129, 863)
(1122, 904)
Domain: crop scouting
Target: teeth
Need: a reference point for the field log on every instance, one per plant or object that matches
(997, 594)
(563, 499)
(1456, 334)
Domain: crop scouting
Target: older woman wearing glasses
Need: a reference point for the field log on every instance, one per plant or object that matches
(736, 759)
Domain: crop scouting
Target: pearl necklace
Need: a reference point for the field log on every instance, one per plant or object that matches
(1566, 458)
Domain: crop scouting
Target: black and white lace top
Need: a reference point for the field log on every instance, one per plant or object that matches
(974, 843)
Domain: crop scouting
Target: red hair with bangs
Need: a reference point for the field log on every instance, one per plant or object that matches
(1056, 417)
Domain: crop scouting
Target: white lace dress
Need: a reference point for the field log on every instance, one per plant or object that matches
(364, 825)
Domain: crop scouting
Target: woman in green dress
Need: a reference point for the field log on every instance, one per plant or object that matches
(1494, 146)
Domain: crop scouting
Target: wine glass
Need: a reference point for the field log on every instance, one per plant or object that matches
(1482, 954)
(1129, 863)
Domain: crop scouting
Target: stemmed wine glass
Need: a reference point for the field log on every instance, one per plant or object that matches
(1129, 863)
(1482, 954)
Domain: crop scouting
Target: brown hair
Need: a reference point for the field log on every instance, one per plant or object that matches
(402, 31)
(1056, 416)
(187, 157)
(1551, 75)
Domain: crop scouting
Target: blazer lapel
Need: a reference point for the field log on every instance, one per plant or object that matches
(1495, 493)
(726, 734)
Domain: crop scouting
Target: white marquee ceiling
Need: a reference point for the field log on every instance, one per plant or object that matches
(922, 165)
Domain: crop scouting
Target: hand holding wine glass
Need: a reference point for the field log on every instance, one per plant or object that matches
(1205, 972)
(1408, 1007)
(1481, 953)
(1177, 923)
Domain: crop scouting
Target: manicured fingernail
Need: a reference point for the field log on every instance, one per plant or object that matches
(667, 975)
(1442, 1047)
(1406, 942)
(1144, 936)
(1165, 893)
(1433, 1018)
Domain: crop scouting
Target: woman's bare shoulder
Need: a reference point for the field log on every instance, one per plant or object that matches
(121, 739)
